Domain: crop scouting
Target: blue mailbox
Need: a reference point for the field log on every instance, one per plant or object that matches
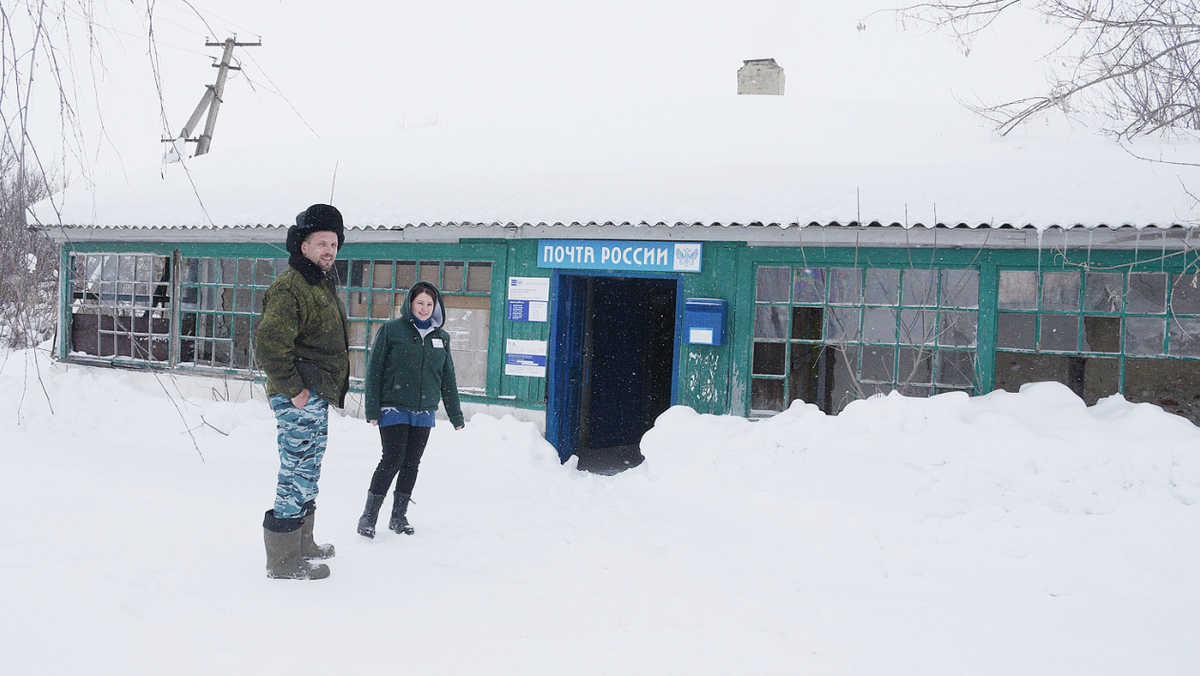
(704, 321)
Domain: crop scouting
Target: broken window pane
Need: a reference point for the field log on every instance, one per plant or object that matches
(808, 285)
(1060, 291)
(772, 285)
(1101, 334)
(770, 321)
(810, 373)
(920, 287)
(1174, 385)
(453, 277)
(1147, 292)
(883, 286)
(845, 286)
(358, 274)
(1016, 331)
(1105, 292)
(960, 288)
(1018, 290)
(1060, 333)
(1144, 336)
(766, 395)
(479, 278)
(769, 359)
(807, 322)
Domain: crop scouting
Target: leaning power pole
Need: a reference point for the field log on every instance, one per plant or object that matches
(211, 102)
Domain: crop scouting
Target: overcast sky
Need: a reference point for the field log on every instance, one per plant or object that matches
(368, 66)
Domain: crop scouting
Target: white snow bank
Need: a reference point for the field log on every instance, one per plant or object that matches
(1012, 533)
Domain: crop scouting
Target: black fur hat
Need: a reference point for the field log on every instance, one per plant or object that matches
(316, 218)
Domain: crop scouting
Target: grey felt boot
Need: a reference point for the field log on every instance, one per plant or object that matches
(399, 520)
(282, 539)
(309, 549)
(366, 522)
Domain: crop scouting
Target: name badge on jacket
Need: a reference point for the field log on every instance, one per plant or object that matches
(436, 342)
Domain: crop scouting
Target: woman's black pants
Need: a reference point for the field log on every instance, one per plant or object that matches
(403, 446)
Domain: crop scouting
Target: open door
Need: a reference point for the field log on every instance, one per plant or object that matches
(613, 366)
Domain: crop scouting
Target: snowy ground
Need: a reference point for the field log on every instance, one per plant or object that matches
(1007, 534)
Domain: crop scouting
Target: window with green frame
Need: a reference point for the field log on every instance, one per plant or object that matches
(829, 335)
(1101, 332)
(220, 302)
(120, 306)
(376, 290)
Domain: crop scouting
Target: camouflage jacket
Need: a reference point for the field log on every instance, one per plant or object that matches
(302, 338)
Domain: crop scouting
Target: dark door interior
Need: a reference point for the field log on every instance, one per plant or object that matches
(627, 367)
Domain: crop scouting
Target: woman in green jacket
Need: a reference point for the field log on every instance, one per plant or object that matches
(409, 371)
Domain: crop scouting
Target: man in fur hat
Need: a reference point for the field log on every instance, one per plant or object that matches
(302, 344)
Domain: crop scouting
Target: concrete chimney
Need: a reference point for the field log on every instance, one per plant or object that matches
(760, 76)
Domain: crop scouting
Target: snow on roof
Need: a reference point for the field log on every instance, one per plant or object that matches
(729, 160)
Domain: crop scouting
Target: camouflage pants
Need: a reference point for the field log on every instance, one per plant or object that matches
(303, 433)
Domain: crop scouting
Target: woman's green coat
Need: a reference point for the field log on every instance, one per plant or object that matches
(406, 371)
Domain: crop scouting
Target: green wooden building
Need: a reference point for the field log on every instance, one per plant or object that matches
(714, 257)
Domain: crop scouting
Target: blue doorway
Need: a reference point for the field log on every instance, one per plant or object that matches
(612, 365)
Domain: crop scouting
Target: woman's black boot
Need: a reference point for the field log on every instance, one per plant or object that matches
(399, 522)
(366, 522)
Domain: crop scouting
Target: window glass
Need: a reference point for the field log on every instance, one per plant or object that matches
(1144, 336)
(808, 286)
(920, 287)
(956, 368)
(1060, 333)
(1185, 295)
(770, 321)
(918, 327)
(845, 286)
(772, 285)
(1060, 291)
(960, 288)
(1147, 292)
(1185, 336)
(879, 325)
(1105, 292)
(878, 363)
(1018, 290)
(883, 286)
(1016, 332)
(957, 328)
(841, 325)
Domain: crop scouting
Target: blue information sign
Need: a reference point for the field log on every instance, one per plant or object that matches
(634, 256)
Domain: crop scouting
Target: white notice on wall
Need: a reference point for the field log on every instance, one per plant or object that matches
(700, 336)
(528, 299)
(525, 358)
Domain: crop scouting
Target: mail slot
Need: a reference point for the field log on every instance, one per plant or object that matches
(704, 321)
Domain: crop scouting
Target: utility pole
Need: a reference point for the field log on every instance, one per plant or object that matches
(211, 101)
